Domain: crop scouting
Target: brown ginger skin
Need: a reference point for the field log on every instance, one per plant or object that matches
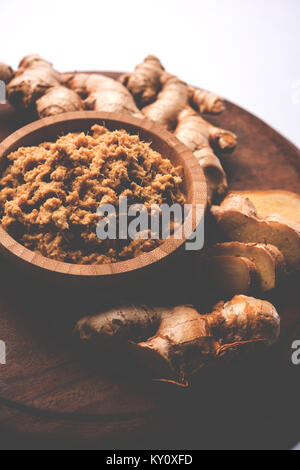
(274, 202)
(237, 218)
(37, 87)
(268, 260)
(169, 102)
(163, 98)
(103, 94)
(6, 73)
(244, 320)
(58, 100)
(144, 82)
(194, 133)
(173, 109)
(217, 137)
(221, 139)
(120, 324)
(205, 101)
(175, 343)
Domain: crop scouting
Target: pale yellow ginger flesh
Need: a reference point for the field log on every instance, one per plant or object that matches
(145, 82)
(238, 220)
(194, 133)
(172, 105)
(169, 102)
(268, 260)
(284, 203)
(58, 100)
(103, 94)
(228, 275)
(205, 101)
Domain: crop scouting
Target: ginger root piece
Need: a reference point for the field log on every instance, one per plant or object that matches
(145, 82)
(268, 260)
(195, 135)
(205, 101)
(119, 324)
(175, 343)
(284, 203)
(33, 78)
(220, 138)
(103, 93)
(169, 103)
(244, 319)
(76, 82)
(6, 73)
(229, 275)
(171, 110)
(175, 95)
(37, 86)
(58, 100)
(238, 220)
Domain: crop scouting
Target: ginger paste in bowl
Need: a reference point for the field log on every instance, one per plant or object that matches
(50, 194)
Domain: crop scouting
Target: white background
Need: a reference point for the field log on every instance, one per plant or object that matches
(246, 50)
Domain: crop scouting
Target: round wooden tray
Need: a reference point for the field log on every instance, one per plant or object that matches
(52, 394)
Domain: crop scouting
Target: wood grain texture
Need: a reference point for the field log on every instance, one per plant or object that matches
(52, 392)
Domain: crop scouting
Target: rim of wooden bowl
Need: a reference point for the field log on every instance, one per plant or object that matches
(10, 247)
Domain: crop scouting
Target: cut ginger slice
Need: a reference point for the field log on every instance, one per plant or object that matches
(237, 218)
(267, 203)
(230, 275)
(269, 261)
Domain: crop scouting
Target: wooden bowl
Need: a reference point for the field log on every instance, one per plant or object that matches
(162, 141)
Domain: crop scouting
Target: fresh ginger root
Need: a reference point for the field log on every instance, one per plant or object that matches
(218, 138)
(175, 343)
(6, 73)
(103, 94)
(169, 102)
(171, 110)
(58, 100)
(145, 82)
(37, 86)
(172, 102)
(194, 133)
(237, 219)
(205, 101)
(284, 203)
(268, 261)
(163, 97)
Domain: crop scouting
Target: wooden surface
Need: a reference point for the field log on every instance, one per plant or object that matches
(54, 395)
(102, 276)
